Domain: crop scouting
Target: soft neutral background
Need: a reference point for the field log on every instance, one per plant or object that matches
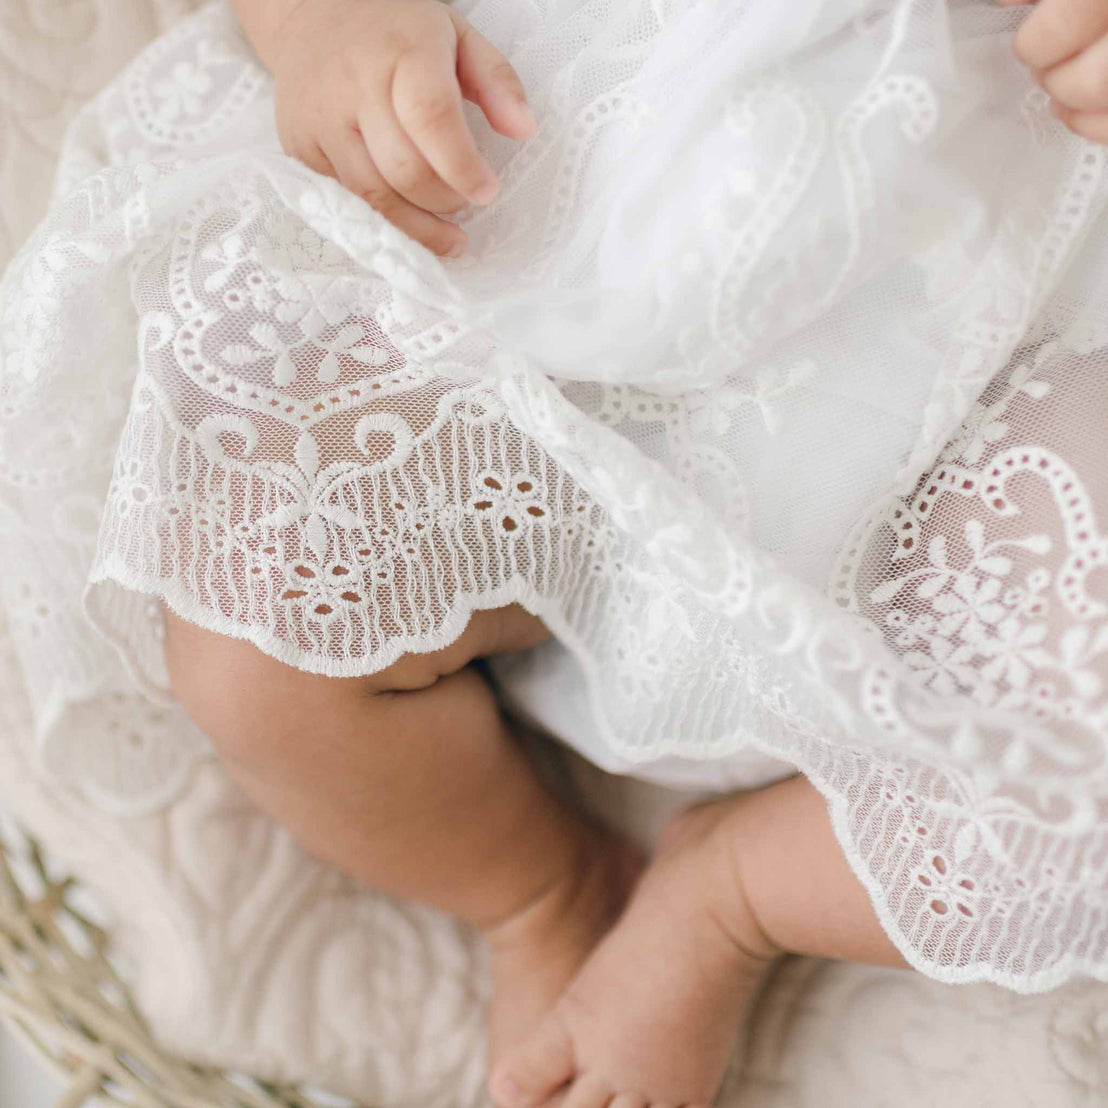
(22, 1083)
(53, 55)
(244, 951)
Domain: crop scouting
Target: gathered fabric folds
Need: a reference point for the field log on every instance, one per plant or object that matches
(773, 381)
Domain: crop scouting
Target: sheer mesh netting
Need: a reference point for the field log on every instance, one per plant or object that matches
(773, 381)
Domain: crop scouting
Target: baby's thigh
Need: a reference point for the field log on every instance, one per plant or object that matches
(254, 707)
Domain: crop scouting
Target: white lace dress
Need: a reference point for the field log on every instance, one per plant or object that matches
(774, 382)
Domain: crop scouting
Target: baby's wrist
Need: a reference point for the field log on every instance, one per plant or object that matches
(263, 21)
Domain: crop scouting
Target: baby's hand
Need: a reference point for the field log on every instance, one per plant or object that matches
(1065, 44)
(370, 92)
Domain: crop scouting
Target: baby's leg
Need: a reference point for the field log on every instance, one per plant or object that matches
(656, 1011)
(410, 781)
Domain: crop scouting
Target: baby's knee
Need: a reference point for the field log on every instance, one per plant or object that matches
(256, 709)
(250, 705)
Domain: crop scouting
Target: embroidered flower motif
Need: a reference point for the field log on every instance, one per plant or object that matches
(29, 342)
(323, 590)
(910, 631)
(944, 667)
(515, 503)
(1015, 650)
(970, 604)
(1028, 599)
(312, 501)
(952, 893)
(314, 316)
(415, 521)
(314, 306)
(255, 292)
(182, 92)
(129, 491)
(292, 246)
(228, 253)
(271, 342)
(347, 341)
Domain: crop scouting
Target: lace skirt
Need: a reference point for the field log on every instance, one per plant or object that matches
(773, 381)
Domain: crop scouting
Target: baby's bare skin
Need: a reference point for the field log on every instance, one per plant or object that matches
(655, 1014)
(1065, 45)
(370, 92)
(658, 1010)
(409, 780)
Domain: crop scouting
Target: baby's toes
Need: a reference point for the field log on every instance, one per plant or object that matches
(629, 1100)
(588, 1091)
(537, 1068)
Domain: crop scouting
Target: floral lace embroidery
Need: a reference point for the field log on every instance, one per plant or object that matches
(320, 441)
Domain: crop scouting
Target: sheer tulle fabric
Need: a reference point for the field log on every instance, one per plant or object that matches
(773, 381)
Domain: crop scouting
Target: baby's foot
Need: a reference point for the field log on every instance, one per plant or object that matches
(655, 1013)
(535, 954)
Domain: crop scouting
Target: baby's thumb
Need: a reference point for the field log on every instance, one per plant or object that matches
(487, 78)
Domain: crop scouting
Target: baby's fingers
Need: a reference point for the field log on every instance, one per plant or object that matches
(1090, 125)
(311, 154)
(1082, 82)
(487, 78)
(356, 171)
(1058, 29)
(428, 104)
(402, 165)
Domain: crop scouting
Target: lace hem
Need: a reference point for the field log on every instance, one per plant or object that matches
(332, 444)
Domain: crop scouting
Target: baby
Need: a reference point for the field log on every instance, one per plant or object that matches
(613, 986)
